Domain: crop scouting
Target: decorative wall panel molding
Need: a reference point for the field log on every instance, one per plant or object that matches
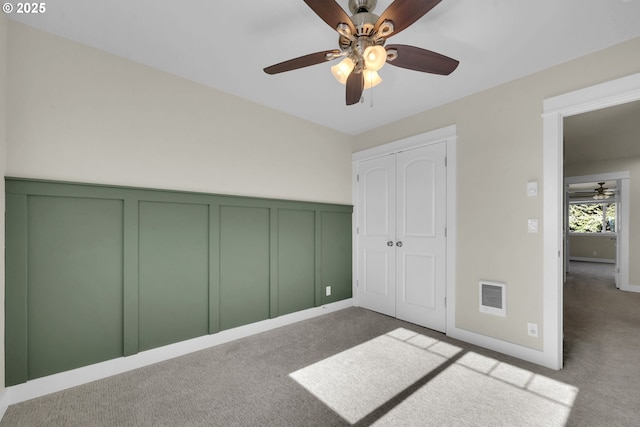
(98, 272)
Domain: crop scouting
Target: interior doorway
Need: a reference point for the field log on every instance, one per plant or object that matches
(612, 93)
(596, 222)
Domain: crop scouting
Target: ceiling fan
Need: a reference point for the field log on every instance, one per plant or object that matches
(599, 193)
(361, 42)
(602, 192)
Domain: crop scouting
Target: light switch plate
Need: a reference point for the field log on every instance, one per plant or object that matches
(532, 189)
(532, 225)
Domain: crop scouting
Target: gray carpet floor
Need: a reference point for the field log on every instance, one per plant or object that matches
(356, 367)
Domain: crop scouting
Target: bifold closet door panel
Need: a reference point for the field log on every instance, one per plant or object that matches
(173, 272)
(377, 234)
(420, 225)
(296, 260)
(75, 286)
(244, 265)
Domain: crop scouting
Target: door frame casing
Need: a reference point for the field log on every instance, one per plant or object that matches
(448, 135)
(555, 109)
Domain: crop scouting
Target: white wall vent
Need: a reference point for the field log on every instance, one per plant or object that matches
(493, 298)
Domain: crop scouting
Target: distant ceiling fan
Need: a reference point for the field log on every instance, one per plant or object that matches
(602, 192)
(362, 38)
(599, 193)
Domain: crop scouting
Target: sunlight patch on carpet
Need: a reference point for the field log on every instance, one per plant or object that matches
(359, 380)
(463, 396)
(469, 388)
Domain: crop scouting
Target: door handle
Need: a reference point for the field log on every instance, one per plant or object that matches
(389, 243)
(399, 244)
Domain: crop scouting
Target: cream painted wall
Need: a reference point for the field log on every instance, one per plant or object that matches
(499, 151)
(600, 247)
(80, 114)
(618, 165)
(3, 165)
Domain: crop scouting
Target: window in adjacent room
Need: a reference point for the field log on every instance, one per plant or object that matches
(592, 217)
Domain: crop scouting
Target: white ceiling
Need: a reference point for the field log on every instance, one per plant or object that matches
(225, 44)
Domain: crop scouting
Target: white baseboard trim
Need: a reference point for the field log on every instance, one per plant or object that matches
(600, 260)
(64, 380)
(510, 349)
(4, 402)
(630, 288)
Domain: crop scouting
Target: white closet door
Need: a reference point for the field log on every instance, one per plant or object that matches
(376, 222)
(420, 236)
(401, 238)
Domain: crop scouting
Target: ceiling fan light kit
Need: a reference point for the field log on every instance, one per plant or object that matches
(362, 39)
(374, 57)
(599, 193)
(342, 70)
(371, 79)
(602, 192)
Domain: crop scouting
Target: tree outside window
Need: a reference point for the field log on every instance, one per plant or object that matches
(592, 217)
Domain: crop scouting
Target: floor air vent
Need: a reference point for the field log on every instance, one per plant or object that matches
(493, 298)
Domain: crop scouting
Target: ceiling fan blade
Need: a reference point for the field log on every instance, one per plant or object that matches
(355, 86)
(426, 61)
(405, 12)
(301, 62)
(331, 13)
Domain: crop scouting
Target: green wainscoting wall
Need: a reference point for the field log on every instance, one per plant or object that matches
(97, 272)
(173, 273)
(336, 247)
(245, 277)
(296, 260)
(74, 258)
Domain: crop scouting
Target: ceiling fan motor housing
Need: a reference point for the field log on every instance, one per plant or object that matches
(356, 6)
(364, 22)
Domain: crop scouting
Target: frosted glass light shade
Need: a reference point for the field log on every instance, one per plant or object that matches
(342, 70)
(371, 79)
(374, 57)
